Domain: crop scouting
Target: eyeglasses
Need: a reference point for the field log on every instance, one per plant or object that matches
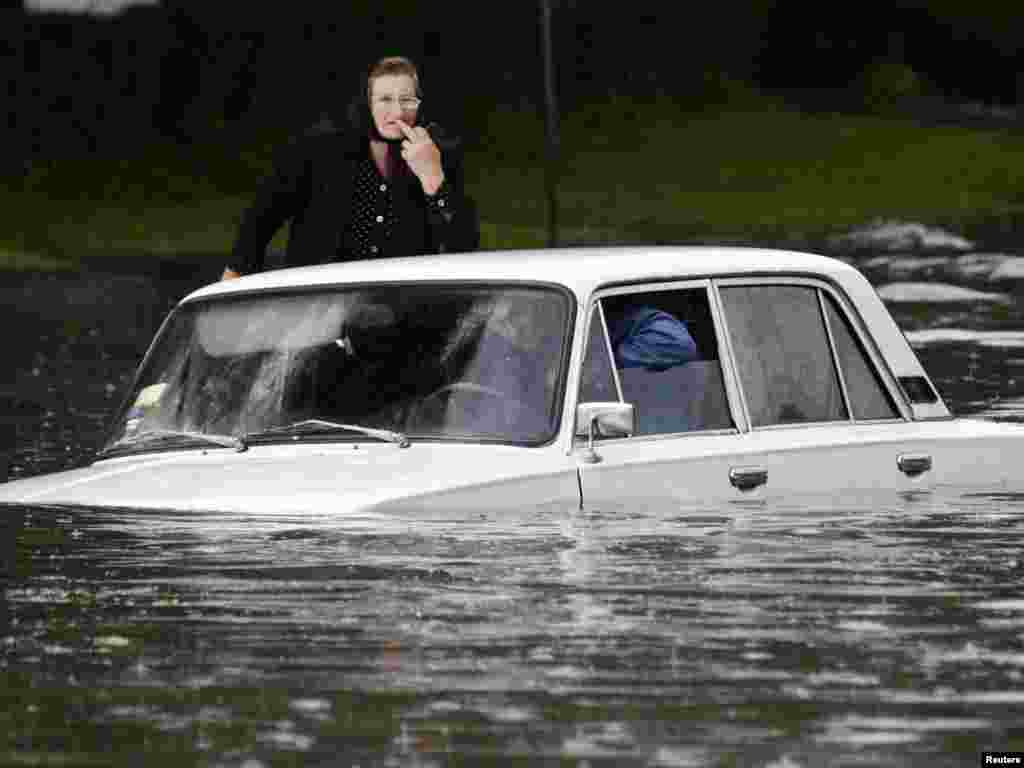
(407, 103)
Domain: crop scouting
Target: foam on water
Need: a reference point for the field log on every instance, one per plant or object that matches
(1008, 269)
(934, 293)
(998, 339)
(892, 235)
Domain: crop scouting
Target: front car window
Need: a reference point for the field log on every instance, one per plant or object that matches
(665, 353)
(440, 361)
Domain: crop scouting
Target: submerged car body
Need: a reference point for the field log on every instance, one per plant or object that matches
(570, 377)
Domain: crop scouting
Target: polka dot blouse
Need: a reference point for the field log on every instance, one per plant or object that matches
(373, 218)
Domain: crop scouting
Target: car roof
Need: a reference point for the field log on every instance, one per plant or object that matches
(580, 269)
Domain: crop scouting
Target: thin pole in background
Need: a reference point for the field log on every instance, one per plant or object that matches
(551, 122)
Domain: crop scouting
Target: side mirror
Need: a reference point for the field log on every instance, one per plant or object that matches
(611, 419)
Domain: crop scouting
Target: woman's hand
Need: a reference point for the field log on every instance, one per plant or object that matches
(422, 156)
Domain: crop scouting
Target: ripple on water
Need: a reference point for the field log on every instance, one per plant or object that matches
(600, 740)
(283, 735)
(946, 695)
(681, 757)
(316, 709)
(1011, 409)
(996, 339)
(971, 653)
(861, 731)
(935, 293)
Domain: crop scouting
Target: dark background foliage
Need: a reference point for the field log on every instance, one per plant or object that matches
(77, 84)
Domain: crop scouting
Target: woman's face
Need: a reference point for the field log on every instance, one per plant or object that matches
(393, 99)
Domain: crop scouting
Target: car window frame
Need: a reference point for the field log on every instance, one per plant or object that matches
(866, 344)
(862, 349)
(732, 392)
(599, 311)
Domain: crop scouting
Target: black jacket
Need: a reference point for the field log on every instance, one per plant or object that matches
(310, 187)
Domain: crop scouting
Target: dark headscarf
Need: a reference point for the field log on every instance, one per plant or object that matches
(359, 119)
(356, 119)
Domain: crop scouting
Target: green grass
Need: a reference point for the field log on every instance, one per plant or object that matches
(629, 171)
(779, 174)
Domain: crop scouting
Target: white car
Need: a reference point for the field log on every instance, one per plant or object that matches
(575, 378)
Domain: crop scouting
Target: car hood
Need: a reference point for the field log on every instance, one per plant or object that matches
(319, 478)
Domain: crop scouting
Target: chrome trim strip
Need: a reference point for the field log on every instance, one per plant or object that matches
(835, 356)
(663, 285)
(740, 405)
(608, 348)
(634, 439)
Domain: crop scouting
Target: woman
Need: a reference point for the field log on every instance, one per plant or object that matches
(387, 185)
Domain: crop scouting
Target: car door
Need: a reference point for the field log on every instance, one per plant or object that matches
(808, 406)
(687, 436)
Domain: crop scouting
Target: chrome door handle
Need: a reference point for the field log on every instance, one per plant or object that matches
(914, 464)
(748, 478)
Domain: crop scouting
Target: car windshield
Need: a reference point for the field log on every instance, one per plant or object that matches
(423, 361)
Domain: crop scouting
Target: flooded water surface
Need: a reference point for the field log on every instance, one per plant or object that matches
(873, 630)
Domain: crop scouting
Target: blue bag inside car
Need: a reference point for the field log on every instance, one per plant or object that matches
(645, 337)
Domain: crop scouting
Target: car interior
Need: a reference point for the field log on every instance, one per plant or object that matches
(682, 398)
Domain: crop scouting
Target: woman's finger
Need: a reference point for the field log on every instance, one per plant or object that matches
(405, 129)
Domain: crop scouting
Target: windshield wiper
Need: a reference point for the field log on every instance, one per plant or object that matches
(318, 425)
(160, 435)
